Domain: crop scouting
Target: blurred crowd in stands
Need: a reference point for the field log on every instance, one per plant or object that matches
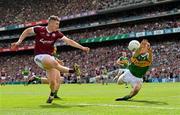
(20, 12)
(110, 31)
(127, 15)
(166, 62)
(106, 4)
(24, 11)
(165, 65)
(128, 28)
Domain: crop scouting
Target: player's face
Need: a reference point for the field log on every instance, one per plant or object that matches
(124, 54)
(145, 48)
(54, 25)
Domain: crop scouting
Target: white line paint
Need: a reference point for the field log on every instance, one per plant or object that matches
(126, 106)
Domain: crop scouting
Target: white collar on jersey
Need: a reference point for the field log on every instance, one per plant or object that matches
(47, 30)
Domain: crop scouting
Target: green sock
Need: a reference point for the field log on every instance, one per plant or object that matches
(38, 79)
(55, 93)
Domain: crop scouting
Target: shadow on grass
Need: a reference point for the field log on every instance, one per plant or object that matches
(149, 102)
(55, 105)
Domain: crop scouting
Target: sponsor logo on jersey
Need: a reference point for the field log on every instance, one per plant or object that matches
(46, 41)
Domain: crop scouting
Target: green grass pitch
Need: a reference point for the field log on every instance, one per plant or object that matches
(90, 99)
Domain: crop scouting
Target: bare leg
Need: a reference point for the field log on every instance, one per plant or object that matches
(51, 74)
(120, 72)
(135, 90)
(58, 75)
(120, 79)
(52, 63)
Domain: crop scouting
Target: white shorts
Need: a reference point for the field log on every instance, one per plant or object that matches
(131, 79)
(25, 77)
(38, 59)
(120, 71)
(105, 76)
(3, 78)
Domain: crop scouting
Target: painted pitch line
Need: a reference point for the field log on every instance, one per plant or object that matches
(127, 106)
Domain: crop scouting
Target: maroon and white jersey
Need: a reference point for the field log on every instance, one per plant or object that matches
(98, 72)
(44, 40)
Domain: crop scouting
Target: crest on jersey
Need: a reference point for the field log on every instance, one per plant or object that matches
(47, 34)
(53, 35)
(42, 32)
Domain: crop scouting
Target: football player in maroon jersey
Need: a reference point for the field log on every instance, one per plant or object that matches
(45, 37)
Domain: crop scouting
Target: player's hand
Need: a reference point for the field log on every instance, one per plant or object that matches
(15, 45)
(86, 49)
(144, 42)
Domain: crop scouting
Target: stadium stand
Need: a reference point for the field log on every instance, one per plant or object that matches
(165, 51)
(85, 34)
(107, 4)
(164, 65)
(24, 11)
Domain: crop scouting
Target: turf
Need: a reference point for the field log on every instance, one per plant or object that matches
(90, 99)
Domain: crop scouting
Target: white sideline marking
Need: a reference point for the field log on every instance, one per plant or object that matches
(128, 106)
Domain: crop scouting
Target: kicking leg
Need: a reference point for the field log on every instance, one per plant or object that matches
(52, 63)
(120, 79)
(51, 66)
(120, 72)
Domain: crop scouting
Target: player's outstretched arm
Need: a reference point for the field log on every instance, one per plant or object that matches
(143, 48)
(75, 44)
(25, 34)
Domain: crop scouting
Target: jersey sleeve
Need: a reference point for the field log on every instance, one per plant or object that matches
(120, 59)
(60, 35)
(37, 29)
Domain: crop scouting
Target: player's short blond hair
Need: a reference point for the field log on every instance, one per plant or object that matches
(53, 17)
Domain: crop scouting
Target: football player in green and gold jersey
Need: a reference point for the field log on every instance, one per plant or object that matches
(123, 62)
(139, 65)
